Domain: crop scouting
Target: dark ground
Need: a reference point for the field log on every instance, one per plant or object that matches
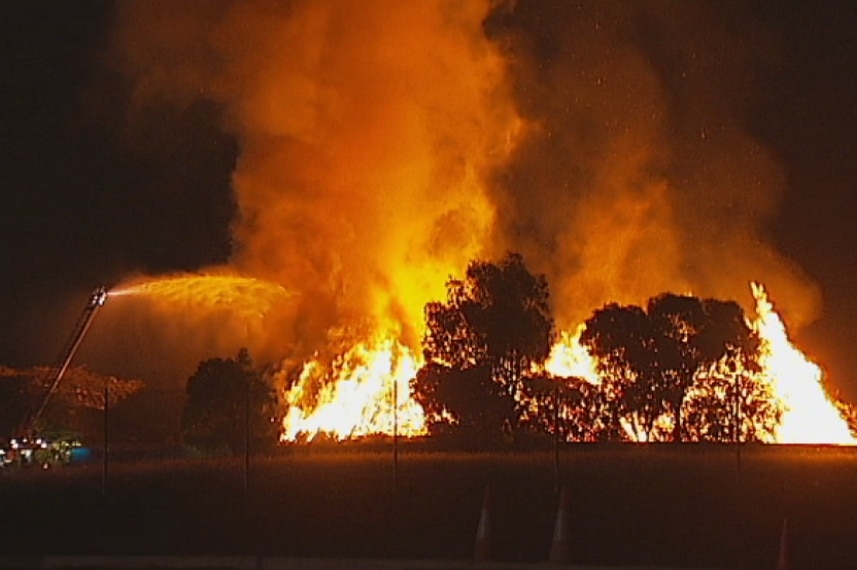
(688, 505)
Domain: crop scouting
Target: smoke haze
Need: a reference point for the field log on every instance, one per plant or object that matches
(637, 174)
(365, 129)
(384, 144)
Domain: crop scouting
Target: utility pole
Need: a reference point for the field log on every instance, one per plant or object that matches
(247, 437)
(395, 434)
(106, 431)
(556, 439)
(737, 424)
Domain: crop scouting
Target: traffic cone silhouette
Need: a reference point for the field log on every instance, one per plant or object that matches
(560, 546)
(784, 560)
(482, 551)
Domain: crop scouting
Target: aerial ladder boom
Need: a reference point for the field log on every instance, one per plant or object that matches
(96, 301)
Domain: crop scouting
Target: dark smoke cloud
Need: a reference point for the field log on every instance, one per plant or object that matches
(638, 173)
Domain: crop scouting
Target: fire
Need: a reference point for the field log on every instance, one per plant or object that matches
(365, 391)
(351, 397)
(568, 358)
(246, 296)
(809, 414)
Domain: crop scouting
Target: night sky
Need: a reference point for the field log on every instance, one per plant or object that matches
(85, 204)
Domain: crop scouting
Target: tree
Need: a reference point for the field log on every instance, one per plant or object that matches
(623, 341)
(727, 405)
(495, 324)
(465, 405)
(228, 401)
(729, 400)
(17, 398)
(75, 407)
(568, 408)
(682, 368)
(677, 323)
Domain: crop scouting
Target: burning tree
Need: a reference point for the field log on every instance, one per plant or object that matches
(683, 368)
(494, 327)
(729, 398)
(569, 408)
(621, 338)
(464, 403)
(359, 393)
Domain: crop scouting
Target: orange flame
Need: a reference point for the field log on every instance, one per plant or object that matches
(366, 390)
(355, 397)
(568, 358)
(809, 414)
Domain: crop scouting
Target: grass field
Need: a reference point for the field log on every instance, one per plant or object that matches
(697, 506)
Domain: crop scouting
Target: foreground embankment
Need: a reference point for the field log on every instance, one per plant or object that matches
(682, 506)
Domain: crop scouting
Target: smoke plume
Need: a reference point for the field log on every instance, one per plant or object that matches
(383, 144)
(365, 129)
(638, 173)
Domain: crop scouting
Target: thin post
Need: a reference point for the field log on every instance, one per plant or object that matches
(106, 432)
(737, 426)
(247, 437)
(556, 440)
(395, 434)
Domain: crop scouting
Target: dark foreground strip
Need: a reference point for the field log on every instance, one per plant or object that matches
(272, 563)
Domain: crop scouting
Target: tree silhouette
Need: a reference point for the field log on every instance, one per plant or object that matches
(728, 405)
(478, 407)
(569, 408)
(495, 324)
(17, 398)
(74, 408)
(228, 401)
(677, 323)
(622, 339)
(729, 400)
(684, 368)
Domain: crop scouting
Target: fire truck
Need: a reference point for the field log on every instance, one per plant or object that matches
(27, 447)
